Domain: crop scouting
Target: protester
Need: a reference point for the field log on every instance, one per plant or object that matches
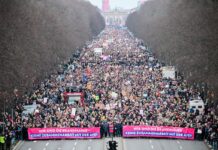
(2, 142)
(8, 141)
(122, 85)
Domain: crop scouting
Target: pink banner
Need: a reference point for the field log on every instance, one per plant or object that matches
(63, 133)
(159, 132)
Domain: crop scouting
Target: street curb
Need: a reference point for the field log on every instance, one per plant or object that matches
(18, 145)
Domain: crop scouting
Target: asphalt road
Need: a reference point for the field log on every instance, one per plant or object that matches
(124, 144)
(157, 144)
(63, 145)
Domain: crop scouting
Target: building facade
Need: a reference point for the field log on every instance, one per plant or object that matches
(116, 17)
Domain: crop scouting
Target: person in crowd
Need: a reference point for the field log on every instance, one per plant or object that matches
(121, 82)
(8, 141)
(2, 142)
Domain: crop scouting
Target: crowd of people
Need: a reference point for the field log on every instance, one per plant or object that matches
(122, 84)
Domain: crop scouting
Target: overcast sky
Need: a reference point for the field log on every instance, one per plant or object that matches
(126, 4)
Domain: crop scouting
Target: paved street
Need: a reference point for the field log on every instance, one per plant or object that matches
(63, 145)
(157, 144)
(124, 144)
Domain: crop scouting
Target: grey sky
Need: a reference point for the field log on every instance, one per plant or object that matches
(126, 4)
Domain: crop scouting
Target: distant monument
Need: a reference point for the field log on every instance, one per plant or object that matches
(116, 16)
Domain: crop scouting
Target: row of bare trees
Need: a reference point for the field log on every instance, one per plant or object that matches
(182, 33)
(37, 35)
